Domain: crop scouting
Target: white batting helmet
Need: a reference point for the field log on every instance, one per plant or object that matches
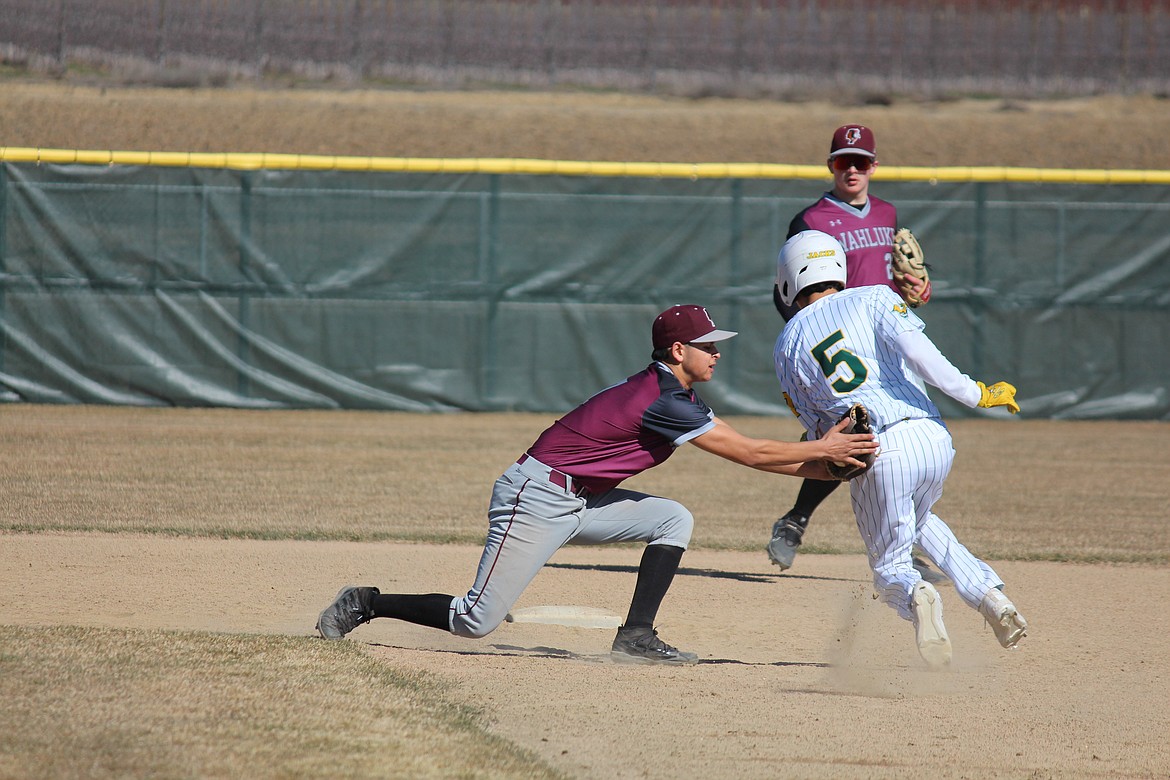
(808, 258)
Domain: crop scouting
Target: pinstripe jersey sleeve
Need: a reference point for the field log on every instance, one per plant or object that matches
(842, 350)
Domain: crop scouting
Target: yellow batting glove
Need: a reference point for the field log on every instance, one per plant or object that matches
(999, 394)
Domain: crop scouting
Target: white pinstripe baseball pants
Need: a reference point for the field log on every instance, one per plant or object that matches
(892, 503)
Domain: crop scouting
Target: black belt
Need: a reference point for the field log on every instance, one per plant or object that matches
(889, 425)
(560, 479)
(901, 420)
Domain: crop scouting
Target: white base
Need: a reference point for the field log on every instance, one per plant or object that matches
(565, 615)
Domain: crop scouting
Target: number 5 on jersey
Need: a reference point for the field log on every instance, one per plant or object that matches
(830, 363)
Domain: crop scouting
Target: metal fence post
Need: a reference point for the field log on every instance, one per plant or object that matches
(357, 55)
(490, 233)
(204, 277)
(245, 299)
(978, 273)
(61, 16)
(160, 33)
(3, 260)
(153, 272)
(734, 250)
(257, 35)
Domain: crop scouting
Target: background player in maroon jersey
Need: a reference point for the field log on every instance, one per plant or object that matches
(864, 225)
(564, 490)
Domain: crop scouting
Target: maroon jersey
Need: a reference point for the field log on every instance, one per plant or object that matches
(624, 429)
(866, 233)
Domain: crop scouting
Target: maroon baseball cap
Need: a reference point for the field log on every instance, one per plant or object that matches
(853, 139)
(687, 324)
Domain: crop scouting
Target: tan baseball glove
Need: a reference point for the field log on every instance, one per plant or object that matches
(858, 423)
(910, 271)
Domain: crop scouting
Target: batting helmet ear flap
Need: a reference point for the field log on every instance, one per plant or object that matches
(809, 257)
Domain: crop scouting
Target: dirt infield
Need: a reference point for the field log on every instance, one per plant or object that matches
(802, 674)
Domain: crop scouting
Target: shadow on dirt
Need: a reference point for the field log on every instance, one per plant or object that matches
(741, 576)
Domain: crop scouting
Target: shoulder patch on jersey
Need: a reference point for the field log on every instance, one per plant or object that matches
(900, 308)
(791, 406)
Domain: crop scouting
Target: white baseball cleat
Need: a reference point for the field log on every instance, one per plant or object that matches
(933, 643)
(1001, 614)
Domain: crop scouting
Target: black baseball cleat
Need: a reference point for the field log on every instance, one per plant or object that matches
(352, 607)
(786, 535)
(641, 645)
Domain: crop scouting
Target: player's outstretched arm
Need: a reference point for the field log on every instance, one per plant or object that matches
(784, 457)
(925, 359)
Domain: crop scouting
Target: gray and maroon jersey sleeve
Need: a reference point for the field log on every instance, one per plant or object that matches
(624, 429)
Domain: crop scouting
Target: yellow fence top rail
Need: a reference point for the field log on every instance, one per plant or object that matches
(313, 162)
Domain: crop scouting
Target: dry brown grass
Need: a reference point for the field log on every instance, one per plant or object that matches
(1031, 490)
(1102, 132)
(86, 702)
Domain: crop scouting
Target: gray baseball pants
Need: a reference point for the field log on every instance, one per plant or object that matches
(534, 512)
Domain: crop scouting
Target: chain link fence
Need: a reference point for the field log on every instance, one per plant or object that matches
(765, 48)
(419, 291)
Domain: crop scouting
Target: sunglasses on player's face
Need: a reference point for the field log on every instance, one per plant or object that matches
(710, 347)
(847, 161)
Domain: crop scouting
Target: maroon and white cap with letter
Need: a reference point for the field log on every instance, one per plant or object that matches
(686, 323)
(853, 139)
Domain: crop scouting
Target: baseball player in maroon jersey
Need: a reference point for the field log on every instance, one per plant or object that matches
(864, 225)
(565, 490)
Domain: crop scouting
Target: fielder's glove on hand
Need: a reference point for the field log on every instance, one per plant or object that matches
(999, 394)
(858, 423)
(908, 264)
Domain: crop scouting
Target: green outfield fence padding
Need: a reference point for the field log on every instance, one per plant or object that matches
(283, 281)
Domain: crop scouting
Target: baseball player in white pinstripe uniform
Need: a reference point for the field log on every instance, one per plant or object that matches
(865, 225)
(864, 345)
